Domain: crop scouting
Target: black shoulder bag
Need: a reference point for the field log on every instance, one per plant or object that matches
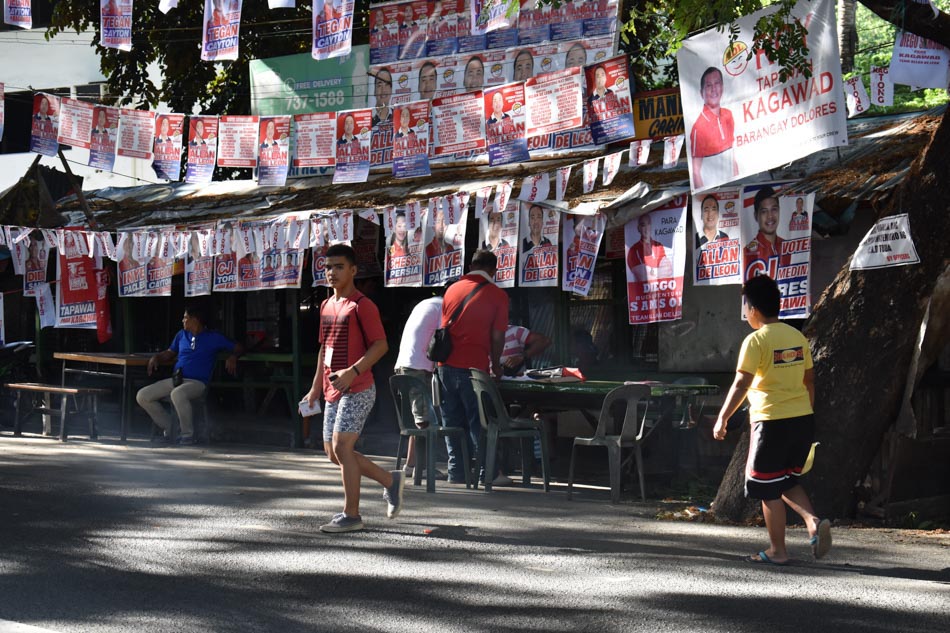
(441, 344)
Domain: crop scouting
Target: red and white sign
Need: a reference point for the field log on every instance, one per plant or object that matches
(136, 133)
(313, 139)
(655, 246)
(220, 35)
(273, 156)
(459, 123)
(882, 88)
(115, 24)
(75, 123)
(856, 96)
(555, 101)
(237, 141)
(18, 13)
(917, 61)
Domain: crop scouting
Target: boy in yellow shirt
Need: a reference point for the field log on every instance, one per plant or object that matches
(775, 372)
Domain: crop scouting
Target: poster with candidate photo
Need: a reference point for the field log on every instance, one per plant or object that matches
(166, 146)
(220, 35)
(352, 146)
(384, 34)
(581, 239)
(202, 149)
(534, 22)
(142, 269)
(103, 139)
(115, 23)
(35, 260)
(18, 13)
(776, 234)
(237, 141)
(413, 29)
(717, 244)
(444, 241)
(332, 28)
(225, 259)
(199, 261)
(498, 233)
(273, 152)
(45, 124)
(75, 123)
(523, 63)
(411, 140)
(442, 27)
(538, 246)
(740, 118)
(655, 245)
(404, 228)
(609, 104)
(319, 243)
(505, 125)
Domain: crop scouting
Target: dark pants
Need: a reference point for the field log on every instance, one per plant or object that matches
(459, 409)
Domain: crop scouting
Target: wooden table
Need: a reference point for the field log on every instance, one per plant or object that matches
(113, 365)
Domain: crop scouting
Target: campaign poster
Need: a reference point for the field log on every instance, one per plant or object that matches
(657, 113)
(313, 139)
(413, 29)
(384, 34)
(166, 147)
(498, 233)
(491, 15)
(136, 132)
(717, 247)
(381, 134)
(199, 262)
(534, 22)
(273, 157)
(237, 141)
(444, 242)
(505, 125)
(555, 102)
(225, 259)
(75, 123)
(222, 28)
(740, 118)
(352, 146)
(35, 265)
(917, 61)
(442, 27)
(538, 246)
(655, 245)
(458, 123)
(18, 13)
(856, 98)
(581, 239)
(411, 140)
(105, 133)
(404, 228)
(45, 124)
(115, 20)
(141, 270)
(888, 243)
(535, 188)
(202, 149)
(776, 232)
(521, 64)
(77, 288)
(319, 243)
(882, 87)
(332, 28)
(609, 104)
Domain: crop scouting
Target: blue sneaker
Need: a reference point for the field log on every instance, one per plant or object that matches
(393, 495)
(343, 523)
(187, 440)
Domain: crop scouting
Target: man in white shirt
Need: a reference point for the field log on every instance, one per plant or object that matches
(422, 323)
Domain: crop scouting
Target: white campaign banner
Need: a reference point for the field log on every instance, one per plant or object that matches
(888, 243)
(740, 118)
(882, 88)
(917, 61)
(856, 96)
(75, 123)
(555, 101)
(237, 141)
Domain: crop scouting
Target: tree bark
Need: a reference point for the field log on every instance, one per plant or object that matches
(862, 333)
(847, 34)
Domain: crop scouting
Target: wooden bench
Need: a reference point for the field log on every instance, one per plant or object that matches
(88, 394)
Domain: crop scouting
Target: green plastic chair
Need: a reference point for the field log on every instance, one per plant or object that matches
(403, 387)
(634, 432)
(497, 424)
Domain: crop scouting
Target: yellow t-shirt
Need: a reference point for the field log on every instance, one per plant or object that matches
(777, 355)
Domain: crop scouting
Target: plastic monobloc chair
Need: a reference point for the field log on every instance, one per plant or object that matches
(497, 424)
(403, 389)
(634, 432)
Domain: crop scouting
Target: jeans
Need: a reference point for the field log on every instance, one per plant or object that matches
(181, 397)
(459, 409)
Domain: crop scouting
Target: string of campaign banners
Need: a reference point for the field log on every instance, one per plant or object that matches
(763, 228)
(498, 121)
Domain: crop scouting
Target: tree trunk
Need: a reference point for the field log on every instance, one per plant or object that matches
(847, 34)
(863, 334)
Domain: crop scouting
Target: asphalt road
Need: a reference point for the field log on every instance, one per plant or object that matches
(105, 537)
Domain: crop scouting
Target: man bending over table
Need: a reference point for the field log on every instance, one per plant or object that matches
(194, 350)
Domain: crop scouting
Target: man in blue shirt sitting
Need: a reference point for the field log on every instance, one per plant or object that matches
(194, 351)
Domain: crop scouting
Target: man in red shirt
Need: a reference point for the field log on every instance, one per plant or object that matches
(352, 340)
(647, 258)
(473, 346)
(712, 136)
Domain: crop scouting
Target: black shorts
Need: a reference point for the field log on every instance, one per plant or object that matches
(777, 453)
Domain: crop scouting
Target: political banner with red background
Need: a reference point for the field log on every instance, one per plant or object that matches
(458, 123)
(77, 291)
(75, 123)
(555, 102)
(444, 240)
(202, 149)
(404, 228)
(136, 133)
(273, 157)
(314, 139)
(166, 162)
(655, 244)
(105, 134)
(505, 125)
(411, 140)
(352, 146)
(237, 141)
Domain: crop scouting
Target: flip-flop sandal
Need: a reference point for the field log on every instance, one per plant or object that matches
(762, 557)
(821, 541)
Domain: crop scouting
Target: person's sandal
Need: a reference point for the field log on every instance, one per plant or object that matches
(821, 541)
